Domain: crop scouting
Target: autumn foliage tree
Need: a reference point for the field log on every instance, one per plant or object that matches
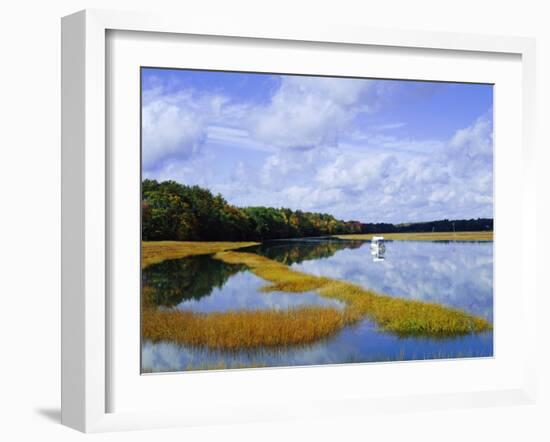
(172, 211)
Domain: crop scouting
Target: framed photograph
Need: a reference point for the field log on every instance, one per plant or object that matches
(250, 212)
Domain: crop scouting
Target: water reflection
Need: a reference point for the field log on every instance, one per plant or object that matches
(195, 277)
(360, 343)
(242, 292)
(458, 274)
(298, 250)
(378, 253)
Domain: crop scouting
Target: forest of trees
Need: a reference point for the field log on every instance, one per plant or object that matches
(444, 225)
(172, 211)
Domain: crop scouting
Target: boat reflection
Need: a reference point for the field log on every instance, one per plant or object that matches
(377, 248)
(378, 254)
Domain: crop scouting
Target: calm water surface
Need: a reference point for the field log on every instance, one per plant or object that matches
(457, 274)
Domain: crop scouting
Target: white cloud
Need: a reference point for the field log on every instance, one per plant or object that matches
(308, 112)
(307, 198)
(236, 137)
(357, 174)
(387, 126)
(470, 151)
(174, 127)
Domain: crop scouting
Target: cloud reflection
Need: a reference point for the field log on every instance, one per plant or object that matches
(458, 274)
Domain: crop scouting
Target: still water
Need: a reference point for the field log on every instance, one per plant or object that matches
(457, 274)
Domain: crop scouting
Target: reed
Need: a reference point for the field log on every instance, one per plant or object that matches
(403, 316)
(424, 236)
(242, 329)
(153, 252)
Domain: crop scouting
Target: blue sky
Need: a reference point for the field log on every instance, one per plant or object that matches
(367, 150)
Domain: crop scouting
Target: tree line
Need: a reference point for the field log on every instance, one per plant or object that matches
(173, 211)
(444, 225)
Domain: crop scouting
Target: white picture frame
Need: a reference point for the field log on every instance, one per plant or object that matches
(86, 201)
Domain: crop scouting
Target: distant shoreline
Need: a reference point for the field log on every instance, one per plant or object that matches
(423, 236)
(153, 252)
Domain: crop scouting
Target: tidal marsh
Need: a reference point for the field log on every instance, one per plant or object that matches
(239, 329)
(401, 316)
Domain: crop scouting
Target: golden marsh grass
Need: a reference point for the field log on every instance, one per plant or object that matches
(424, 236)
(153, 252)
(235, 330)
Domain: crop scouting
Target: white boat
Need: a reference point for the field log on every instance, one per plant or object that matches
(377, 242)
